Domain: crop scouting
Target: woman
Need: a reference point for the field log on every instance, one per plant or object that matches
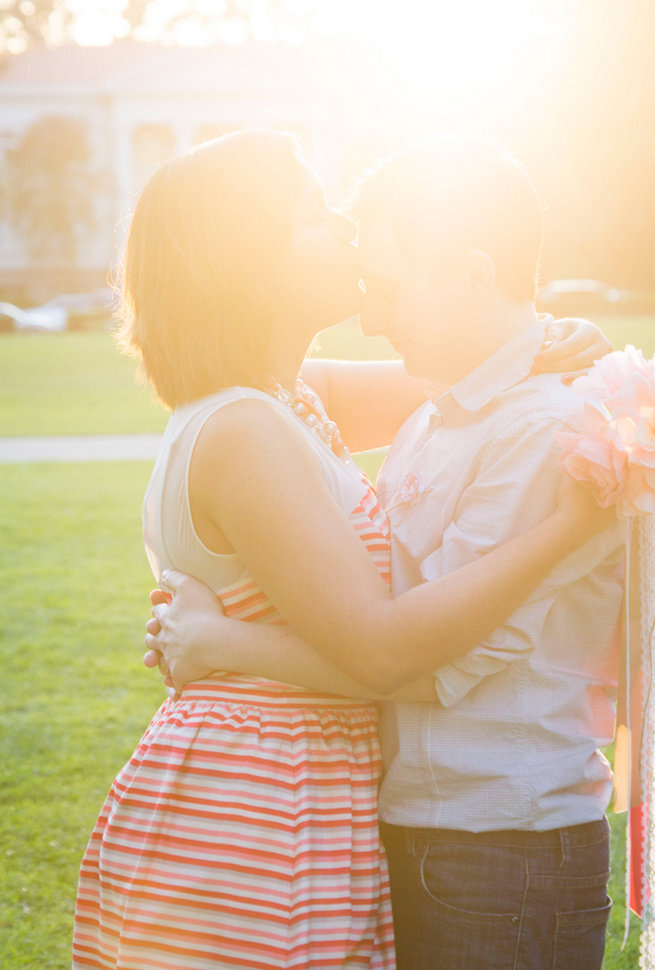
(243, 831)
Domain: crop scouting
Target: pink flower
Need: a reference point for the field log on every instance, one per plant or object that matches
(643, 438)
(609, 374)
(639, 494)
(594, 461)
(410, 488)
(615, 452)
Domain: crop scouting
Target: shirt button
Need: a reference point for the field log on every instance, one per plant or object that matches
(436, 418)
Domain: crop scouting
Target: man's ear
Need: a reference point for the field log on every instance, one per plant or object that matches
(480, 275)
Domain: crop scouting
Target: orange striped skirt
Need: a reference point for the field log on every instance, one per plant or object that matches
(241, 834)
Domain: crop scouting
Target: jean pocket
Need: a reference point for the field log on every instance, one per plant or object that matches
(462, 885)
(580, 938)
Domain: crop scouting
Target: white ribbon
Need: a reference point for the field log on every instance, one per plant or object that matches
(635, 738)
(646, 592)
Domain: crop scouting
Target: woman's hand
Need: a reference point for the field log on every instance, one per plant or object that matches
(153, 658)
(570, 345)
(580, 511)
(183, 624)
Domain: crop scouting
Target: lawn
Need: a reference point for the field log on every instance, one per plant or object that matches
(78, 383)
(75, 696)
(75, 584)
(71, 383)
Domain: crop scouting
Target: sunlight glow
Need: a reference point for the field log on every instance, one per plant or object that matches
(426, 43)
(96, 20)
(450, 52)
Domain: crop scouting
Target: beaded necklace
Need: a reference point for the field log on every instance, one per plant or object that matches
(307, 406)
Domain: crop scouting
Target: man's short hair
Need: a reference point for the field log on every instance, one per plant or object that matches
(455, 193)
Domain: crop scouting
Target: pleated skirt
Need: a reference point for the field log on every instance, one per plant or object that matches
(241, 834)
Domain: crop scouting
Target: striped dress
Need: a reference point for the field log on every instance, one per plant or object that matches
(243, 831)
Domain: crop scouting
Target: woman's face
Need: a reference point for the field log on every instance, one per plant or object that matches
(316, 277)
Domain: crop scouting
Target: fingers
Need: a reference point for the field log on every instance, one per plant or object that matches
(158, 612)
(567, 328)
(572, 362)
(158, 596)
(571, 351)
(578, 337)
(172, 580)
(152, 643)
(153, 658)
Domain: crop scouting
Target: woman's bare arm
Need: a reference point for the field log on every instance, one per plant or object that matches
(195, 639)
(370, 400)
(271, 503)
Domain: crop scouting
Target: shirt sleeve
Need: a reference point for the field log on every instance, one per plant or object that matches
(515, 487)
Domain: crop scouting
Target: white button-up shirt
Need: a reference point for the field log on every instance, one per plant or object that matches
(513, 741)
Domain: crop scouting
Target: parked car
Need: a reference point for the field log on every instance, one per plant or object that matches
(72, 311)
(87, 311)
(582, 297)
(44, 318)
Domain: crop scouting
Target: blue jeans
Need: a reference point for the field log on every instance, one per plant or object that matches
(499, 900)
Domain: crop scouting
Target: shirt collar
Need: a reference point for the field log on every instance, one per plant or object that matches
(509, 365)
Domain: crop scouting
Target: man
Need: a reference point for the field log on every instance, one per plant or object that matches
(493, 800)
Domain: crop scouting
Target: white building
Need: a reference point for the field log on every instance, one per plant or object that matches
(141, 103)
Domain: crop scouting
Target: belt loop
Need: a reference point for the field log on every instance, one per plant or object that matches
(415, 841)
(565, 844)
(410, 840)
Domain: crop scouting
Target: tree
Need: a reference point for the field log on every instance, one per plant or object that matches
(25, 23)
(52, 188)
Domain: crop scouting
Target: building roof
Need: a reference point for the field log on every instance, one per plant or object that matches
(72, 62)
(124, 66)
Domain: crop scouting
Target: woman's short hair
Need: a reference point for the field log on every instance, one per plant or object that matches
(455, 193)
(196, 309)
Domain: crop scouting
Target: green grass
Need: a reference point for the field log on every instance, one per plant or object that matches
(78, 383)
(71, 383)
(639, 331)
(75, 695)
(615, 957)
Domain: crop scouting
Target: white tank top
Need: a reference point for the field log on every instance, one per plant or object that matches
(171, 539)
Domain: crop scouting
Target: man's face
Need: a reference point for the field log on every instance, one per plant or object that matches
(423, 316)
